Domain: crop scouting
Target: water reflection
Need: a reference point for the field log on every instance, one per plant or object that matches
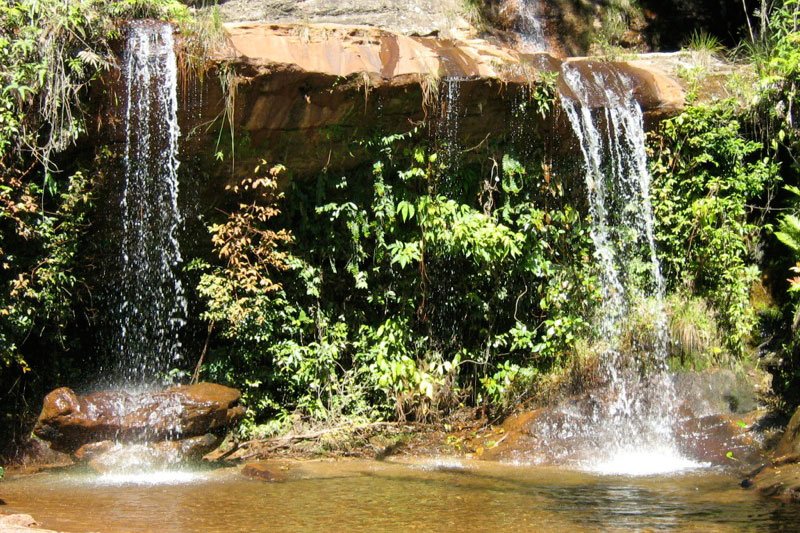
(373, 496)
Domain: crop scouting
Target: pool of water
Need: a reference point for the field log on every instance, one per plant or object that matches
(425, 495)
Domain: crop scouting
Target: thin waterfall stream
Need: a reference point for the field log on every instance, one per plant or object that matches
(448, 123)
(152, 305)
(530, 26)
(631, 429)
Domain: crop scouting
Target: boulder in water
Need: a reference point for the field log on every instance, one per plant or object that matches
(69, 421)
(789, 444)
(781, 480)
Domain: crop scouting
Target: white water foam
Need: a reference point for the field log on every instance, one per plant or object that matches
(157, 477)
(628, 428)
(640, 463)
(439, 464)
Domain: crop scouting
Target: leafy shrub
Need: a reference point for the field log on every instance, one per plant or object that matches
(705, 174)
(401, 298)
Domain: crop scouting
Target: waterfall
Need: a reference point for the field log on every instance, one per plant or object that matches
(151, 307)
(530, 27)
(629, 427)
(447, 125)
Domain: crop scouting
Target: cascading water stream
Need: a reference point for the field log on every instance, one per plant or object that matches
(152, 306)
(530, 26)
(447, 126)
(629, 427)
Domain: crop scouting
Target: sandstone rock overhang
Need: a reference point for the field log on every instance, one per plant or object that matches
(308, 96)
(384, 57)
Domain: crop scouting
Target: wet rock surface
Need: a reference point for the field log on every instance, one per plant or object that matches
(71, 422)
(789, 444)
(781, 477)
(266, 471)
(780, 481)
(716, 423)
(714, 392)
(108, 456)
(326, 88)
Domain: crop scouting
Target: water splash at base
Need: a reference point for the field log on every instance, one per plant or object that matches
(147, 478)
(636, 463)
(627, 427)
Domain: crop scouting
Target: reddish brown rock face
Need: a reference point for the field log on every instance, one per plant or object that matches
(781, 479)
(69, 421)
(306, 93)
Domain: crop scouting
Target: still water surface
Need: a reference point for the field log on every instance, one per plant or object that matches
(442, 495)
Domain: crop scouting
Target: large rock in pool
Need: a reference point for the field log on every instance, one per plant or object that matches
(107, 456)
(69, 421)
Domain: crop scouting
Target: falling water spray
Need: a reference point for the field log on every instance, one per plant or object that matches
(151, 306)
(629, 426)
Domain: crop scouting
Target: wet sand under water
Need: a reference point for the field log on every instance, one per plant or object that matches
(427, 495)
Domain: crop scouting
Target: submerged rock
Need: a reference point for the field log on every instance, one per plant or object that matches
(70, 422)
(781, 480)
(265, 471)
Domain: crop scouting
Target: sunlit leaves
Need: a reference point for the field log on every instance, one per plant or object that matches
(249, 248)
(706, 172)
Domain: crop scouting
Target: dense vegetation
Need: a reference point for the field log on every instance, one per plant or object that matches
(403, 298)
(50, 54)
(413, 286)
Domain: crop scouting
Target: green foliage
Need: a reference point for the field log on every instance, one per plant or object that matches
(544, 93)
(50, 51)
(695, 340)
(705, 174)
(789, 234)
(776, 54)
(42, 292)
(617, 17)
(773, 49)
(403, 298)
(704, 43)
(474, 12)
